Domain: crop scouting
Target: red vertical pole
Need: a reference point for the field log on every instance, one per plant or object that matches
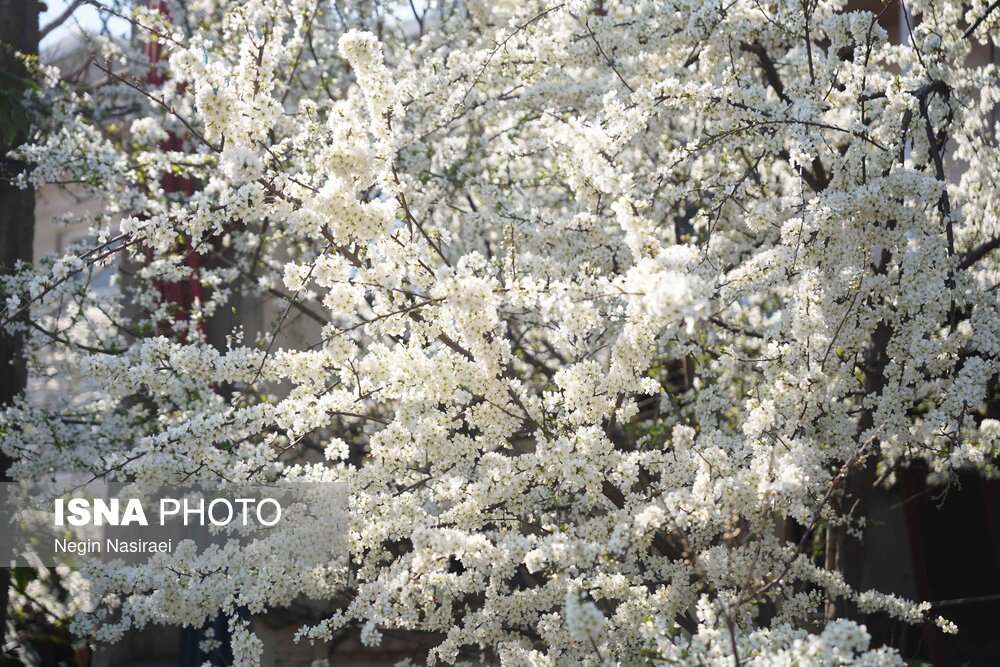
(182, 293)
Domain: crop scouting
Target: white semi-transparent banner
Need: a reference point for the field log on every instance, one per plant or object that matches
(69, 522)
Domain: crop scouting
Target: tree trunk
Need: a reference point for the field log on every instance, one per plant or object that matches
(18, 32)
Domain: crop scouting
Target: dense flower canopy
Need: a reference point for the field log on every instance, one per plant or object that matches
(603, 297)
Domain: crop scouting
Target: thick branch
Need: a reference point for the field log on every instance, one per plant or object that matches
(766, 64)
(977, 253)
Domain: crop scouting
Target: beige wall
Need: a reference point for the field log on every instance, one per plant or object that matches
(52, 202)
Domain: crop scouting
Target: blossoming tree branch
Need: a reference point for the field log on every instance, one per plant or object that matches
(619, 310)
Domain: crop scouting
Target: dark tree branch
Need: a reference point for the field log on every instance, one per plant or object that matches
(62, 18)
(979, 21)
(977, 253)
(767, 65)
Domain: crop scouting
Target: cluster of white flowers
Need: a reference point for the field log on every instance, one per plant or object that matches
(581, 300)
(841, 643)
(583, 619)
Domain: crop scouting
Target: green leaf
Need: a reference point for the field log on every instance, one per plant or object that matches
(10, 80)
(22, 576)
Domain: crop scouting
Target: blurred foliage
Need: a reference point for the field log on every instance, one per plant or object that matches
(35, 636)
